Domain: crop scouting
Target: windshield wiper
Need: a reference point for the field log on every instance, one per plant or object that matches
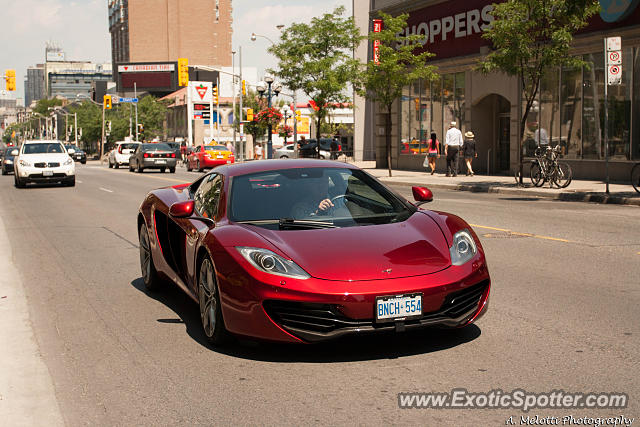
(285, 223)
(303, 223)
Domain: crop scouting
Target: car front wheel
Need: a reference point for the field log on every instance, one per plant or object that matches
(209, 301)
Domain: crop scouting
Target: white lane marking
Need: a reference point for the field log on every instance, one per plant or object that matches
(104, 189)
(78, 181)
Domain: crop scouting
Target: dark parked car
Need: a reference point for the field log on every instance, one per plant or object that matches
(176, 148)
(310, 148)
(77, 154)
(7, 159)
(153, 156)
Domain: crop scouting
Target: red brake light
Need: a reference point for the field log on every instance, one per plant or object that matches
(146, 154)
(173, 154)
(120, 149)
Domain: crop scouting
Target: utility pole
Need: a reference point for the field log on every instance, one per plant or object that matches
(233, 91)
(135, 95)
(75, 126)
(241, 151)
(102, 140)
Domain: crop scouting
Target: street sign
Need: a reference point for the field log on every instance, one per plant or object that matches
(613, 55)
(133, 100)
(614, 74)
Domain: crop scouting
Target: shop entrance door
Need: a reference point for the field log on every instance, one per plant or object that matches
(504, 132)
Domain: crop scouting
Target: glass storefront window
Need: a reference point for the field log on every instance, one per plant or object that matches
(436, 108)
(459, 99)
(592, 112)
(449, 106)
(549, 109)
(407, 119)
(635, 130)
(571, 112)
(619, 100)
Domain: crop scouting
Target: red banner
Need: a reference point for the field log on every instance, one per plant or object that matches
(377, 27)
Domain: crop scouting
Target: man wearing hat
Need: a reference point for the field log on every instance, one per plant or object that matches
(453, 143)
(469, 150)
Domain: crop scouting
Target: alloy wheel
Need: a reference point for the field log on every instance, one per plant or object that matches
(207, 299)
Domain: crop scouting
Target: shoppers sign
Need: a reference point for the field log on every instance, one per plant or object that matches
(453, 28)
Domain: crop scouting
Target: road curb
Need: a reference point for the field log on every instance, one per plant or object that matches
(567, 196)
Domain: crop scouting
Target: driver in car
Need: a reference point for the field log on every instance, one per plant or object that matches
(316, 189)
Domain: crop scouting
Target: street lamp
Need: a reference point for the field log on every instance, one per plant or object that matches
(80, 95)
(285, 112)
(254, 36)
(268, 80)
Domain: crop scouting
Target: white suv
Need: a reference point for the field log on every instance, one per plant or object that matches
(119, 156)
(43, 161)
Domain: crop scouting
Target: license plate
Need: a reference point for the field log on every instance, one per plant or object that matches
(47, 173)
(398, 307)
(161, 161)
(220, 156)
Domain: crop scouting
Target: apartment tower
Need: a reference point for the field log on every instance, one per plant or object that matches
(165, 30)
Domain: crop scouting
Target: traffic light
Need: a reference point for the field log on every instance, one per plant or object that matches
(183, 72)
(215, 94)
(298, 116)
(10, 75)
(249, 114)
(244, 87)
(107, 102)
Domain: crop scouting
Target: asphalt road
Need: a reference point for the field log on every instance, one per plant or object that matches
(563, 315)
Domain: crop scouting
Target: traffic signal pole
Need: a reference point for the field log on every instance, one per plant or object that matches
(102, 140)
(135, 95)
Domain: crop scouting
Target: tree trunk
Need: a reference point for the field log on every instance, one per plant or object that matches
(387, 132)
(318, 135)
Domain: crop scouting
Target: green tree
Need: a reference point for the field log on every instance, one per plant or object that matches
(253, 128)
(531, 37)
(152, 114)
(316, 59)
(398, 66)
(43, 105)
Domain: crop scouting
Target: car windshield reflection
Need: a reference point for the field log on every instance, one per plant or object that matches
(285, 199)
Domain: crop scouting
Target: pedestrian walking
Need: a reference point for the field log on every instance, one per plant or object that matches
(258, 152)
(433, 152)
(453, 144)
(334, 148)
(469, 150)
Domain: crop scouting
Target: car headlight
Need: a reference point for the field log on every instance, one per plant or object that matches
(68, 161)
(9, 162)
(464, 247)
(269, 262)
(24, 163)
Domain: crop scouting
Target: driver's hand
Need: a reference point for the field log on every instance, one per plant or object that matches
(325, 204)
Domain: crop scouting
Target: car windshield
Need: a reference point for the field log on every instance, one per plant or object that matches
(129, 146)
(292, 196)
(43, 148)
(215, 148)
(155, 147)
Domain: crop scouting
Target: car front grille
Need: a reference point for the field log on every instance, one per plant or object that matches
(40, 176)
(314, 322)
(46, 165)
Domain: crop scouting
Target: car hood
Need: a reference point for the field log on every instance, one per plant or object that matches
(410, 248)
(45, 157)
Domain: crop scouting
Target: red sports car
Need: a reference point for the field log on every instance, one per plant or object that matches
(308, 250)
(209, 156)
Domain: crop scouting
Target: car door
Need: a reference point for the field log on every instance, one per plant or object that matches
(207, 199)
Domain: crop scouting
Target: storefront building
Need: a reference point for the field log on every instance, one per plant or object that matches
(569, 108)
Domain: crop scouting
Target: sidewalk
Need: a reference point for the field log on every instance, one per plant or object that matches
(577, 191)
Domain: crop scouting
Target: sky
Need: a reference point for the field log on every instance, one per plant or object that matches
(80, 28)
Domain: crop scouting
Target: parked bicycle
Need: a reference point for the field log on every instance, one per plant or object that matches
(545, 167)
(635, 177)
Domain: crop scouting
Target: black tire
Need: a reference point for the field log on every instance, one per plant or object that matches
(116, 165)
(284, 157)
(18, 182)
(635, 177)
(172, 170)
(71, 182)
(198, 168)
(140, 168)
(4, 172)
(189, 168)
(149, 273)
(563, 175)
(84, 162)
(162, 170)
(536, 175)
(110, 164)
(209, 304)
(130, 167)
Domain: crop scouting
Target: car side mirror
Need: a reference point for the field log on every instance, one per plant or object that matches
(71, 151)
(185, 210)
(422, 195)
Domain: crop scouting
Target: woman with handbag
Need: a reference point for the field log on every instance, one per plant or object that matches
(433, 152)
